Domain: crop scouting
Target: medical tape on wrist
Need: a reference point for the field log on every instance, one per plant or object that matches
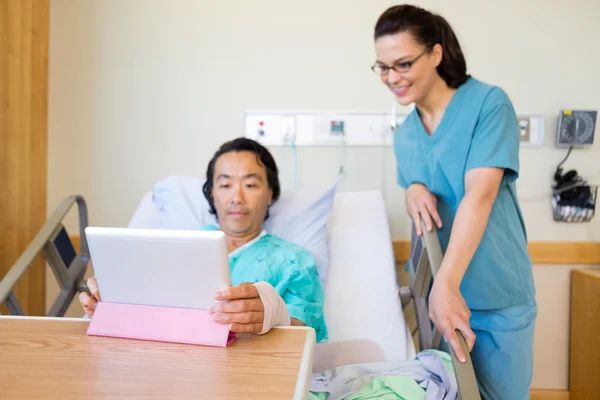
(276, 312)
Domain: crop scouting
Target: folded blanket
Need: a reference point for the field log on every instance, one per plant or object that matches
(429, 376)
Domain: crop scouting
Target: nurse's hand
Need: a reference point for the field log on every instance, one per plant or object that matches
(241, 308)
(448, 311)
(89, 302)
(421, 204)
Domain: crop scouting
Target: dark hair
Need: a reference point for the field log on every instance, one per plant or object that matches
(263, 157)
(428, 29)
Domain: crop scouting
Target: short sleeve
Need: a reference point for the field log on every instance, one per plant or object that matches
(495, 141)
(410, 164)
(400, 178)
(304, 296)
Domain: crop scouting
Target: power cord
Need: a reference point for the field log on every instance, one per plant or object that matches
(557, 177)
(287, 137)
(558, 173)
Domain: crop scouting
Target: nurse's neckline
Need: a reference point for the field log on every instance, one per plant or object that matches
(445, 115)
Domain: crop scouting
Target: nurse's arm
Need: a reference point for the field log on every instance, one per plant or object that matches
(481, 189)
(296, 322)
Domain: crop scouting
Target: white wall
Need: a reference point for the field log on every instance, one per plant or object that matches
(143, 88)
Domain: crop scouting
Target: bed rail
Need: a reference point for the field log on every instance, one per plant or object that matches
(68, 266)
(425, 260)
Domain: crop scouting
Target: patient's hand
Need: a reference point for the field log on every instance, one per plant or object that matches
(241, 308)
(89, 302)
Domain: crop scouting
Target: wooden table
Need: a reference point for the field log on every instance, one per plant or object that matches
(53, 358)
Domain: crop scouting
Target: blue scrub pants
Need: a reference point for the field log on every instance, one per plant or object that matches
(503, 351)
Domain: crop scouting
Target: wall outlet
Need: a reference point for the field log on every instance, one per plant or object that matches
(267, 128)
(524, 130)
(531, 130)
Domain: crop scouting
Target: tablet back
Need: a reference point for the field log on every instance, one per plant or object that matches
(170, 268)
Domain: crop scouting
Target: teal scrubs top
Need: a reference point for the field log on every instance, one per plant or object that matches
(479, 129)
(290, 269)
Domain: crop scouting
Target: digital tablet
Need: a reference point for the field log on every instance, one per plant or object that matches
(155, 267)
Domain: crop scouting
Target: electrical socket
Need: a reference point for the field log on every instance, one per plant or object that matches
(524, 130)
(531, 130)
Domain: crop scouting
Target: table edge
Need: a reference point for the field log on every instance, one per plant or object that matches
(304, 374)
(42, 318)
(306, 363)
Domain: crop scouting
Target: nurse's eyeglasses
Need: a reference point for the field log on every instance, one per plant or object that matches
(401, 67)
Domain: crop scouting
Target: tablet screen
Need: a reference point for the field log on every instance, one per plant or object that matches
(168, 268)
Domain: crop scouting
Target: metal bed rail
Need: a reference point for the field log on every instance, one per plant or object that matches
(425, 261)
(68, 266)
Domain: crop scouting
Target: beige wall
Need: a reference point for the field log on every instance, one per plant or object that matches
(143, 88)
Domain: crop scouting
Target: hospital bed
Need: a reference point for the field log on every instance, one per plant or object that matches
(363, 303)
(67, 265)
(371, 311)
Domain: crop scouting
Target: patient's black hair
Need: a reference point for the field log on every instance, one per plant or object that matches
(263, 157)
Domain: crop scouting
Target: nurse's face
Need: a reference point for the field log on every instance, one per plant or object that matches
(241, 193)
(408, 68)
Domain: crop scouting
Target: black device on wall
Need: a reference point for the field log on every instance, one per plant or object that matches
(576, 128)
(573, 198)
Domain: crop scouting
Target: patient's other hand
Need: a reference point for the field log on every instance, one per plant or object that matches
(89, 302)
(241, 308)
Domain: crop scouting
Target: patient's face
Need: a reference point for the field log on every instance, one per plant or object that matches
(241, 193)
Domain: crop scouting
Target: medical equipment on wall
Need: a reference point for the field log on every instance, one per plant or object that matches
(356, 128)
(573, 198)
(320, 128)
(338, 130)
(576, 128)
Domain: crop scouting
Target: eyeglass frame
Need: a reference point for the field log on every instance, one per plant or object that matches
(410, 64)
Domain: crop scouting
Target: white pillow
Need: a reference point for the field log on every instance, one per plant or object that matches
(180, 203)
(299, 216)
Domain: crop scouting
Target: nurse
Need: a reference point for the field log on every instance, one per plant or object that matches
(458, 159)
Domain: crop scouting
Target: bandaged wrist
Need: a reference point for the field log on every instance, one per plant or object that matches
(276, 312)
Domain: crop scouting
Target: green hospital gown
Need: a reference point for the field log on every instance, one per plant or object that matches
(290, 269)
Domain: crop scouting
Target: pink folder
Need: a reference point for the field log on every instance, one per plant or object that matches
(164, 324)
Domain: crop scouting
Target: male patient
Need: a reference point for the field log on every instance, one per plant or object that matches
(274, 282)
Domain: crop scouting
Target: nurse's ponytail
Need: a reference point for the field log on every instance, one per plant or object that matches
(428, 29)
(453, 68)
